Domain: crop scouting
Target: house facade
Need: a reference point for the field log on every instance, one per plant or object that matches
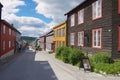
(49, 41)
(94, 26)
(59, 38)
(7, 39)
(43, 42)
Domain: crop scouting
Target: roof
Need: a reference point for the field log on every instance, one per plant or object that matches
(59, 25)
(1, 5)
(10, 25)
(76, 6)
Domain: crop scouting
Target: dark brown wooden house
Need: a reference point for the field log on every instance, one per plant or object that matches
(94, 25)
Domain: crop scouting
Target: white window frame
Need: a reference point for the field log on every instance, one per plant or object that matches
(81, 38)
(97, 38)
(9, 44)
(72, 20)
(72, 37)
(81, 16)
(3, 45)
(10, 31)
(97, 9)
(4, 29)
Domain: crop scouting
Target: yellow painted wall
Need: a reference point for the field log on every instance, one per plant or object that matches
(59, 39)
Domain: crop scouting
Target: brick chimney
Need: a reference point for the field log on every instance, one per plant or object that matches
(1, 10)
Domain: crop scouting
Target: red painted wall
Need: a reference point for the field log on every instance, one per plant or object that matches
(6, 37)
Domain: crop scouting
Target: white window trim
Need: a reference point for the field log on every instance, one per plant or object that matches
(72, 38)
(95, 10)
(3, 45)
(4, 29)
(81, 38)
(81, 16)
(72, 20)
(10, 31)
(9, 44)
(93, 45)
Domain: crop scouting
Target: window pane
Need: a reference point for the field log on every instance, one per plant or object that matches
(73, 20)
(97, 9)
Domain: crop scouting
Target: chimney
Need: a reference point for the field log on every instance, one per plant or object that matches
(1, 10)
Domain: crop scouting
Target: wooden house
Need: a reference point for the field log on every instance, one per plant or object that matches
(94, 26)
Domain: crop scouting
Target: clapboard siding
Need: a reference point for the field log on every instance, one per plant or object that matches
(105, 23)
(116, 23)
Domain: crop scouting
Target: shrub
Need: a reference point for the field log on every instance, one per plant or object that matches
(101, 57)
(76, 56)
(58, 52)
(107, 68)
(65, 54)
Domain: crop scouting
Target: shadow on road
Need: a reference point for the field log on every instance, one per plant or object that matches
(25, 68)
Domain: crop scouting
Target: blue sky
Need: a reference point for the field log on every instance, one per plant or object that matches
(36, 17)
(29, 10)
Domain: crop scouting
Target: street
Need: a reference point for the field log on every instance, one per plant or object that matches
(31, 65)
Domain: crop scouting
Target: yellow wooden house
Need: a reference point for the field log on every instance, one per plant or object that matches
(59, 38)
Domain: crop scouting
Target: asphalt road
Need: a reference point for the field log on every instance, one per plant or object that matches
(43, 66)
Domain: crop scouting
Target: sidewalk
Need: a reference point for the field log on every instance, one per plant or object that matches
(72, 72)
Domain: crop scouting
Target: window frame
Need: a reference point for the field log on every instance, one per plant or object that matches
(93, 45)
(80, 22)
(10, 31)
(98, 17)
(9, 44)
(4, 29)
(72, 18)
(3, 45)
(79, 43)
(72, 43)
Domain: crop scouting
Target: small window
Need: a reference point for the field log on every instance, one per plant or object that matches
(96, 38)
(72, 19)
(62, 32)
(9, 44)
(4, 29)
(9, 31)
(97, 9)
(3, 45)
(81, 16)
(72, 38)
(80, 38)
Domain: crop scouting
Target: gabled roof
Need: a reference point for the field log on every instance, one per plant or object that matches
(76, 7)
(11, 26)
(59, 24)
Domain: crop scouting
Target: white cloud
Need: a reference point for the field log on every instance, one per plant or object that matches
(31, 26)
(55, 9)
(28, 26)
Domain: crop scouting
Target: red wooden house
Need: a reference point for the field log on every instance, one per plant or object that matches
(7, 37)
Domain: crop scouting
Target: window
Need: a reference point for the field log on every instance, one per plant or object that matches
(63, 32)
(96, 38)
(97, 9)
(80, 38)
(72, 38)
(119, 38)
(62, 43)
(80, 16)
(3, 45)
(9, 31)
(9, 44)
(119, 6)
(72, 19)
(4, 29)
